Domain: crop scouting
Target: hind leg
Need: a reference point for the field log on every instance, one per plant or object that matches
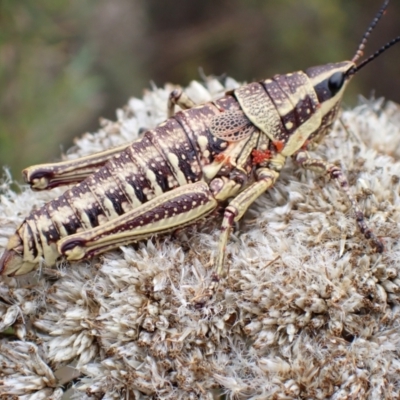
(48, 176)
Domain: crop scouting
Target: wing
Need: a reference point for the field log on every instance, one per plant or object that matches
(232, 126)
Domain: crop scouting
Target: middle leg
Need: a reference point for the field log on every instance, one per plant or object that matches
(180, 98)
(233, 213)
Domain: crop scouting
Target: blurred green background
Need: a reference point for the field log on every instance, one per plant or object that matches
(65, 63)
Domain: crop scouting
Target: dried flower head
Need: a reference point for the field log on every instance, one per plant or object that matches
(308, 310)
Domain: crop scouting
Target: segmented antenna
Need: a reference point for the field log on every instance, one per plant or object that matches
(373, 56)
(361, 46)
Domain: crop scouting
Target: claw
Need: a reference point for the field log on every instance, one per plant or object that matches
(12, 262)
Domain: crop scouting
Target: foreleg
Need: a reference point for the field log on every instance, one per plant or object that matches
(336, 173)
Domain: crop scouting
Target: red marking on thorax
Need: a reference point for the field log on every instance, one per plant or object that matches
(260, 156)
(305, 145)
(223, 158)
(279, 144)
(220, 157)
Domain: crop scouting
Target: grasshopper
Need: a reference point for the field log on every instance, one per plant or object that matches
(224, 153)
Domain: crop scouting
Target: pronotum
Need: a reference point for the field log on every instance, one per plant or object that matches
(223, 153)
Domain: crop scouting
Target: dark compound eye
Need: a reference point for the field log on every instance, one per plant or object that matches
(336, 82)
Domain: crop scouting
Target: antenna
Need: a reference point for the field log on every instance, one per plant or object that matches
(361, 46)
(352, 71)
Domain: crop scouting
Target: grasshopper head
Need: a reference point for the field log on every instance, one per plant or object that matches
(330, 82)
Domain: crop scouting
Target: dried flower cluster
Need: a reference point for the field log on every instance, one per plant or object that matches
(308, 311)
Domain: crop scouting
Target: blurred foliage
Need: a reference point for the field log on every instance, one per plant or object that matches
(47, 87)
(63, 64)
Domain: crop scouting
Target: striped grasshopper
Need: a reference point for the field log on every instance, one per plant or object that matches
(222, 153)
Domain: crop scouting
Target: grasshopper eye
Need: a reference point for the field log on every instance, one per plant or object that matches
(336, 82)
